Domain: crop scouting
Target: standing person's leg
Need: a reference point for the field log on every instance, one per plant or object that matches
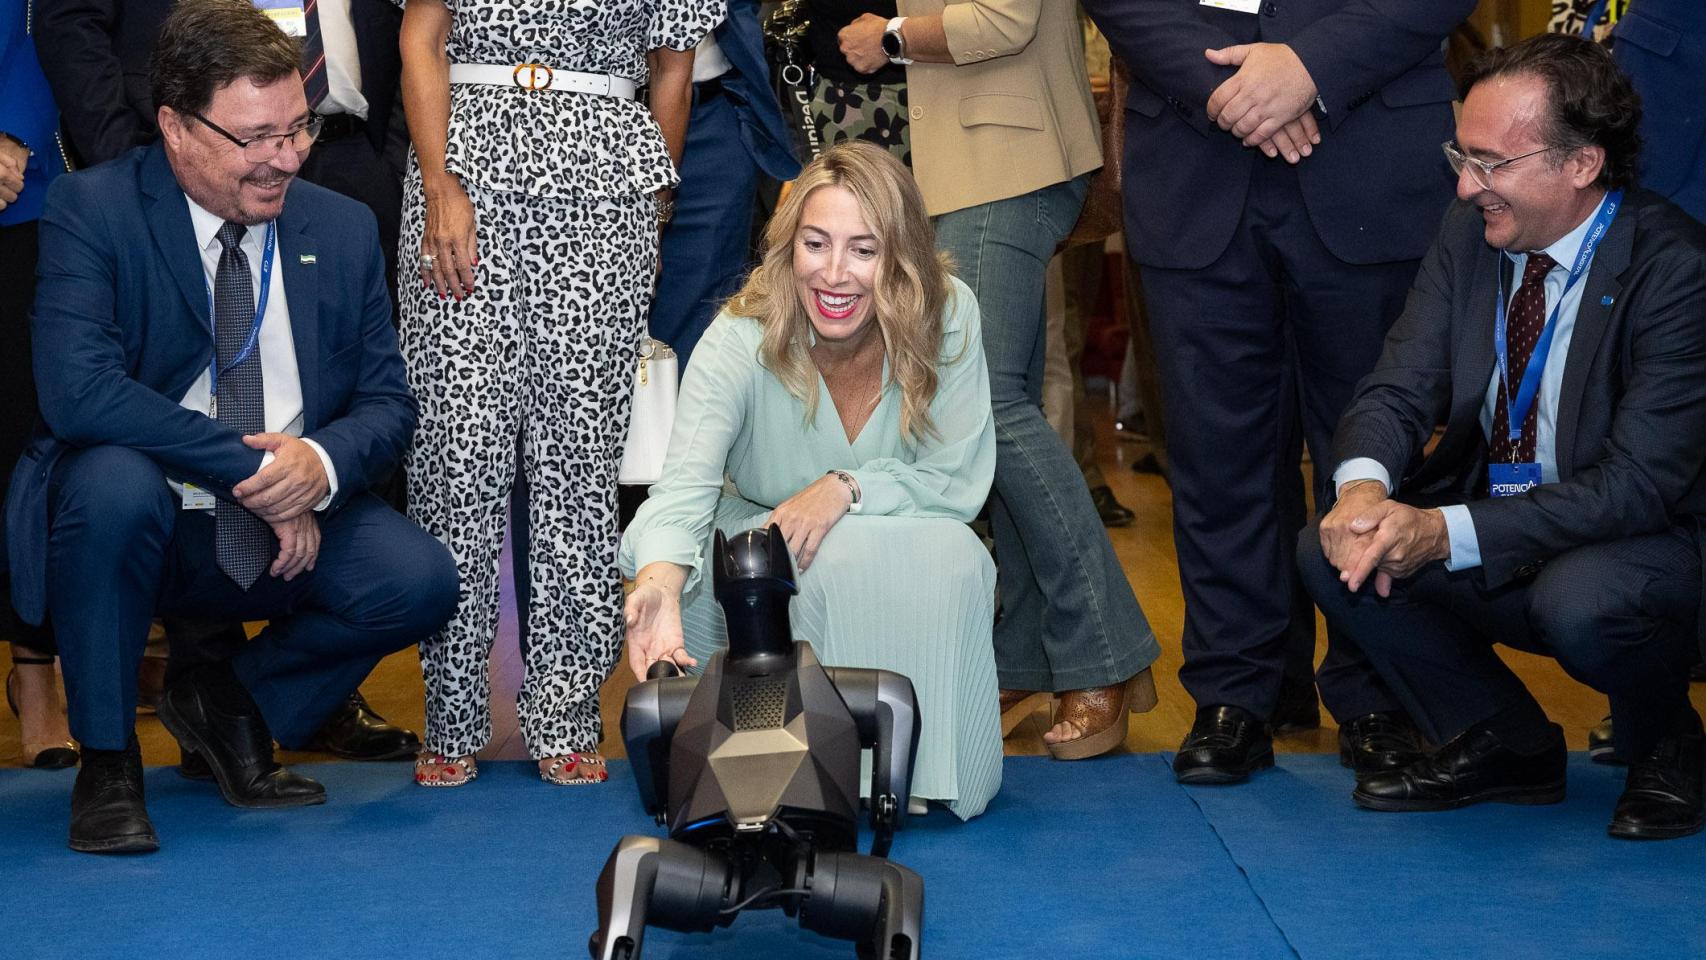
(1093, 634)
(1339, 314)
(464, 359)
(32, 687)
(1222, 356)
(705, 246)
(589, 286)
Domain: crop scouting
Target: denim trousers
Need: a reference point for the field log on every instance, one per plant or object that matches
(1068, 617)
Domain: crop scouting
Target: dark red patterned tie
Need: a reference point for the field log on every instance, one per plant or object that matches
(1523, 324)
(313, 57)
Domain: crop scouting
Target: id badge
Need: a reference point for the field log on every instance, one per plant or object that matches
(195, 498)
(1240, 6)
(288, 14)
(1511, 479)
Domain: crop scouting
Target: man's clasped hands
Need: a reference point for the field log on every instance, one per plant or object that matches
(283, 492)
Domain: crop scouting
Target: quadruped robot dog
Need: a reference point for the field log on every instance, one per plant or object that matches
(754, 767)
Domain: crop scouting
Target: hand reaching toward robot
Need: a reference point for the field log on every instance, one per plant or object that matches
(652, 616)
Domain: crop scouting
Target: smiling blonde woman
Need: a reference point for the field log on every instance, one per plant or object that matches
(853, 313)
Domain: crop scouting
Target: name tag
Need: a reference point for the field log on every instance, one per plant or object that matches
(195, 498)
(1240, 6)
(1511, 479)
(288, 14)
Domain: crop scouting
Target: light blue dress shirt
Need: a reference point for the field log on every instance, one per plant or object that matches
(1460, 529)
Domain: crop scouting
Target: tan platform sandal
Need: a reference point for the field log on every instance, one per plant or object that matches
(438, 770)
(573, 769)
(1101, 713)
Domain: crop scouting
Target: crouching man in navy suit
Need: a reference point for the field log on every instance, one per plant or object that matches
(220, 385)
(1557, 329)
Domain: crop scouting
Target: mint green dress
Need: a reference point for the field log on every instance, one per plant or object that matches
(903, 584)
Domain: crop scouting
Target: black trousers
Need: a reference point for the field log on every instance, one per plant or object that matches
(1258, 353)
(17, 398)
(1620, 617)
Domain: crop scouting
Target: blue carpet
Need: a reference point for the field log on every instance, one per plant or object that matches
(1106, 859)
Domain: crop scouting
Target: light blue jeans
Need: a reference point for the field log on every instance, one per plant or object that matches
(1069, 619)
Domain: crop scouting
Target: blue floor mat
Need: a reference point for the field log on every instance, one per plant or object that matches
(1105, 859)
(1100, 859)
(1493, 881)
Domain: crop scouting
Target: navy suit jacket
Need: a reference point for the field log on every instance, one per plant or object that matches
(763, 129)
(95, 54)
(1631, 434)
(121, 330)
(1376, 185)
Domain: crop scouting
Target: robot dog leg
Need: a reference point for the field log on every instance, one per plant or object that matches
(877, 902)
(665, 883)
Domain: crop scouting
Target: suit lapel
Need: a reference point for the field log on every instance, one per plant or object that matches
(169, 221)
(1472, 367)
(297, 259)
(1599, 292)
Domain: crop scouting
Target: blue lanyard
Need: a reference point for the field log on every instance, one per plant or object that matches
(213, 370)
(1594, 16)
(1518, 406)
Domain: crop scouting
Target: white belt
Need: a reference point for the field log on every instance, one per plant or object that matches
(538, 76)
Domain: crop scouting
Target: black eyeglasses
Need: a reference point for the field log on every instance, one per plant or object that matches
(267, 146)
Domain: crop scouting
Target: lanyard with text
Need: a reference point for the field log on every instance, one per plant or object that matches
(1517, 478)
(213, 369)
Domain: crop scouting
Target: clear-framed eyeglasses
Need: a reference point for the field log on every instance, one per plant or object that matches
(1481, 171)
(266, 146)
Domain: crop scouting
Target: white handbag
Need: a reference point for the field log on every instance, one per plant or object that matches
(657, 379)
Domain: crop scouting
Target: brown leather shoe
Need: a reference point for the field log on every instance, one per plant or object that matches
(1101, 713)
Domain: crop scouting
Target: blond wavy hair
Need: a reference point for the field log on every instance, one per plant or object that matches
(909, 296)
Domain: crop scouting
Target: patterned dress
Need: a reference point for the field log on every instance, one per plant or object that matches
(540, 357)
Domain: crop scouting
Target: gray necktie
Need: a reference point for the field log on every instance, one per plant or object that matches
(242, 541)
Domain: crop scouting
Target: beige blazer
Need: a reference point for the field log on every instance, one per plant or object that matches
(1012, 113)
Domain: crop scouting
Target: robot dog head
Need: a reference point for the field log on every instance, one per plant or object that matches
(753, 577)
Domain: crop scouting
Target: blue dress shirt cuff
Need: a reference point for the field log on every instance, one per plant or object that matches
(1361, 468)
(1460, 534)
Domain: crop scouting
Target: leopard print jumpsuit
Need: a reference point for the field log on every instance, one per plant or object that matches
(542, 352)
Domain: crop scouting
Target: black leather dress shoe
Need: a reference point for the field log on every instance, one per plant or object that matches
(107, 812)
(355, 732)
(1377, 742)
(212, 716)
(1473, 768)
(1662, 798)
(1112, 512)
(1225, 745)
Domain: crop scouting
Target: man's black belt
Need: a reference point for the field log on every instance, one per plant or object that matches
(708, 89)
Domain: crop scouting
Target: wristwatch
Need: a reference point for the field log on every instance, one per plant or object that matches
(894, 42)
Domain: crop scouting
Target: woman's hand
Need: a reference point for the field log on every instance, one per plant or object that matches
(807, 516)
(653, 618)
(449, 240)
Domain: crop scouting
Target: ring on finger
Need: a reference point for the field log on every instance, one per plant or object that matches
(427, 261)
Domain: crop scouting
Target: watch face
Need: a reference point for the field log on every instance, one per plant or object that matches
(891, 44)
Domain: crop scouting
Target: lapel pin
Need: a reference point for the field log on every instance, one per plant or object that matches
(309, 258)
(1606, 301)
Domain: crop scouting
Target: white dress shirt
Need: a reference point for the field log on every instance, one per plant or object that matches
(709, 62)
(343, 60)
(1459, 527)
(281, 384)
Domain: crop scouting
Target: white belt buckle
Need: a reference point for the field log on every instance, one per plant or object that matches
(531, 81)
